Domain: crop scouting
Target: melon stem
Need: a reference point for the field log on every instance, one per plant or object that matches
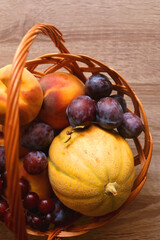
(111, 188)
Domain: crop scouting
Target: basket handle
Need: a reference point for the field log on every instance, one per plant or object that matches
(11, 130)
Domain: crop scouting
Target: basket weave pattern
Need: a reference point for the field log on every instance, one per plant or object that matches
(80, 66)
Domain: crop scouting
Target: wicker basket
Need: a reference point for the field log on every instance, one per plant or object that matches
(80, 66)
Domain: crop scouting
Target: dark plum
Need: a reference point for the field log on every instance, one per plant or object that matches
(35, 162)
(24, 186)
(62, 214)
(131, 126)
(121, 100)
(109, 113)
(2, 159)
(46, 205)
(37, 136)
(3, 208)
(31, 201)
(98, 86)
(81, 111)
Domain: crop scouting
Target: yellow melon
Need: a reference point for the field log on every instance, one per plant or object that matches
(92, 173)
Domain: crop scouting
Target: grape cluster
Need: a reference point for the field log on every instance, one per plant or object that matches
(100, 107)
(41, 214)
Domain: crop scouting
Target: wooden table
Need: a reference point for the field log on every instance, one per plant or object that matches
(125, 35)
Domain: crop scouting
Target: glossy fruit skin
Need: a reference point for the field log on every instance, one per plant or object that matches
(98, 86)
(59, 89)
(103, 161)
(31, 201)
(109, 113)
(3, 208)
(121, 100)
(63, 215)
(25, 187)
(46, 205)
(131, 126)
(37, 136)
(35, 162)
(81, 111)
(36, 222)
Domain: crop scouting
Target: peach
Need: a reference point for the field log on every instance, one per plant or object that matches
(39, 183)
(30, 99)
(59, 90)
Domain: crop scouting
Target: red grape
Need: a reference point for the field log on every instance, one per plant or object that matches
(109, 113)
(24, 185)
(131, 125)
(31, 201)
(81, 111)
(49, 218)
(37, 136)
(35, 162)
(46, 205)
(8, 220)
(36, 222)
(98, 86)
(3, 207)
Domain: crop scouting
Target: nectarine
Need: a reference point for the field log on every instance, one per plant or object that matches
(30, 99)
(59, 90)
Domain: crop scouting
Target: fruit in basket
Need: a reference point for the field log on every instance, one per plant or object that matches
(35, 162)
(81, 111)
(59, 89)
(2, 159)
(109, 113)
(121, 100)
(98, 86)
(93, 172)
(3, 208)
(131, 126)
(39, 183)
(30, 98)
(37, 136)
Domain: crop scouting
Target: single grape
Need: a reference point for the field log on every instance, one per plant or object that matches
(121, 100)
(31, 201)
(3, 208)
(49, 218)
(81, 111)
(46, 205)
(8, 220)
(2, 159)
(35, 162)
(98, 86)
(131, 126)
(109, 113)
(24, 185)
(37, 136)
(36, 222)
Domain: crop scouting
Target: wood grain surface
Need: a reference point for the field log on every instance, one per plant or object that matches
(125, 35)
